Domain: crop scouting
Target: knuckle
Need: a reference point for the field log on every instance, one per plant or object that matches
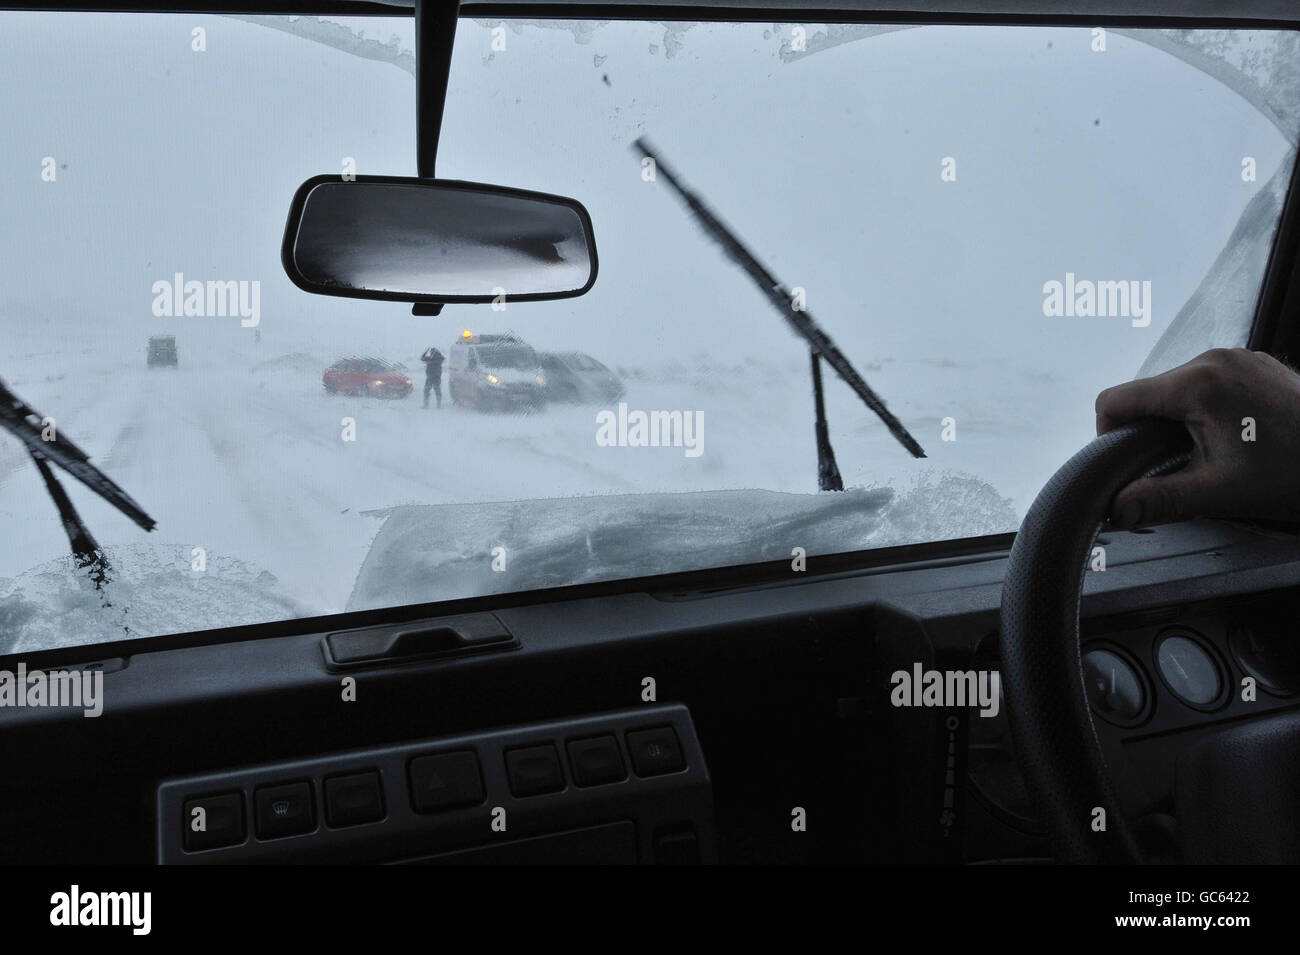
(1206, 378)
(1261, 362)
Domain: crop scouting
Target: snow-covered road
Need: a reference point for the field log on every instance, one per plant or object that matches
(240, 453)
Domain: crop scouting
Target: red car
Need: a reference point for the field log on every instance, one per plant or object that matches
(367, 376)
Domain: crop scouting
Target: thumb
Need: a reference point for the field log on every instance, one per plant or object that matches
(1156, 500)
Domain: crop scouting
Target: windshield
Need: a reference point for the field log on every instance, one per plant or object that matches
(990, 224)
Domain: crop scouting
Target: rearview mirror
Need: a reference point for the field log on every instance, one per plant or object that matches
(434, 240)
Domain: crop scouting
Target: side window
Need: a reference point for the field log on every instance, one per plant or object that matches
(473, 361)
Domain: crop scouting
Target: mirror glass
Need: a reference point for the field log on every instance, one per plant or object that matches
(436, 240)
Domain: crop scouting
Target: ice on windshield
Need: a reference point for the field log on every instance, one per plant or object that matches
(883, 174)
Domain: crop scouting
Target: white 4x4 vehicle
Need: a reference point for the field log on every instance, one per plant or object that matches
(495, 372)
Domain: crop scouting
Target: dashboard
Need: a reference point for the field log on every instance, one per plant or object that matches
(1156, 680)
(777, 695)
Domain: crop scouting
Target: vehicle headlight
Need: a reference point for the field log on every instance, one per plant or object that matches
(493, 379)
(541, 379)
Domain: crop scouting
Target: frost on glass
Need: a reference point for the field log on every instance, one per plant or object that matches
(1219, 312)
(1264, 68)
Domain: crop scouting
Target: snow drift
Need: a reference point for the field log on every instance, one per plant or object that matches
(444, 552)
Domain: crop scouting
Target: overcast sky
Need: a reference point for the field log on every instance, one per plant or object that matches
(1115, 165)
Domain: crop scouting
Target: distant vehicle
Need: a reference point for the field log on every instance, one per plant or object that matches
(579, 378)
(162, 352)
(367, 376)
(495, 373)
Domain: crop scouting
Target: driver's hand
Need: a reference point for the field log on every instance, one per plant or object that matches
(1239, 468)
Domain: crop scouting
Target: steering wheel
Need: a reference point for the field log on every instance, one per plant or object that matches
(1042, 668)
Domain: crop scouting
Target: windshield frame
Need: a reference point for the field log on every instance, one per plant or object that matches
(1275, 326)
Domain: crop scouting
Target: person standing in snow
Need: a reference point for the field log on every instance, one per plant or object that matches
(432, 359)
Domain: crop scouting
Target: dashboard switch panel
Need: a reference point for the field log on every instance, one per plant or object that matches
(554, 791)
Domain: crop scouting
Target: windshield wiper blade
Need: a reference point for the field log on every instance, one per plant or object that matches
(25, 424)
(782, 300)
(85, 549)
